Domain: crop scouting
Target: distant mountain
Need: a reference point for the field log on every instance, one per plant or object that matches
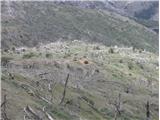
(136, 9)
(144, 12)
(32, 23)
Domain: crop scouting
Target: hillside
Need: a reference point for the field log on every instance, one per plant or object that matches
(32, 23)
(104, 83)
(79, 61)
(144, 12)
(147, 10)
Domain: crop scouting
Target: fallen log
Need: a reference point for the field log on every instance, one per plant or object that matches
(44, 99)
(47, 114)
(30, 110)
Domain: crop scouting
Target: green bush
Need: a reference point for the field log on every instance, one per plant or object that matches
(96, 48)
(6, 50)
(121, 61)
(29, 55)
(48, 55)
(111, 50)
(13, 48)
(130, 66)
(5, 60)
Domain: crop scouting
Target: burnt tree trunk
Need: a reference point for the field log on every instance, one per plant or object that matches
(3, 107)
(64, 92)
(147, 111)
(117, 107)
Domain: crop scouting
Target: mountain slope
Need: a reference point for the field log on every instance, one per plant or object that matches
(31, 23)
(135, 9)
(141, 11)
(102, 83)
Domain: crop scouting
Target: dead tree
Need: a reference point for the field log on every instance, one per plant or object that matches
(117, 105)
(64, 92)
(4, 102)
(52, 90)
(149, 86)
(148, 111)
(3, 107)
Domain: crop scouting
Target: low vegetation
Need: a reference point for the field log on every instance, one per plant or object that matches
(29, 55)
(49, 22)
(97, 85)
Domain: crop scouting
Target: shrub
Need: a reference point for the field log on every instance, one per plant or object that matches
(84, 56)
(75, 59)
(6, 50)
(130, 74)
(96, 48)
(121, 61)
(40, 54)
(134, 49)
(23, 50)
(111, 50)
(5, 60)
(97, 70)
(130, 66)
(48, 55)
(13, 48)
(141, 66)
(67, 55)
(29, 55)
(86, 62)
(140, 51)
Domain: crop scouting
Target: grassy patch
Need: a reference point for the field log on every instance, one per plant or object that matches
(29, 55)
